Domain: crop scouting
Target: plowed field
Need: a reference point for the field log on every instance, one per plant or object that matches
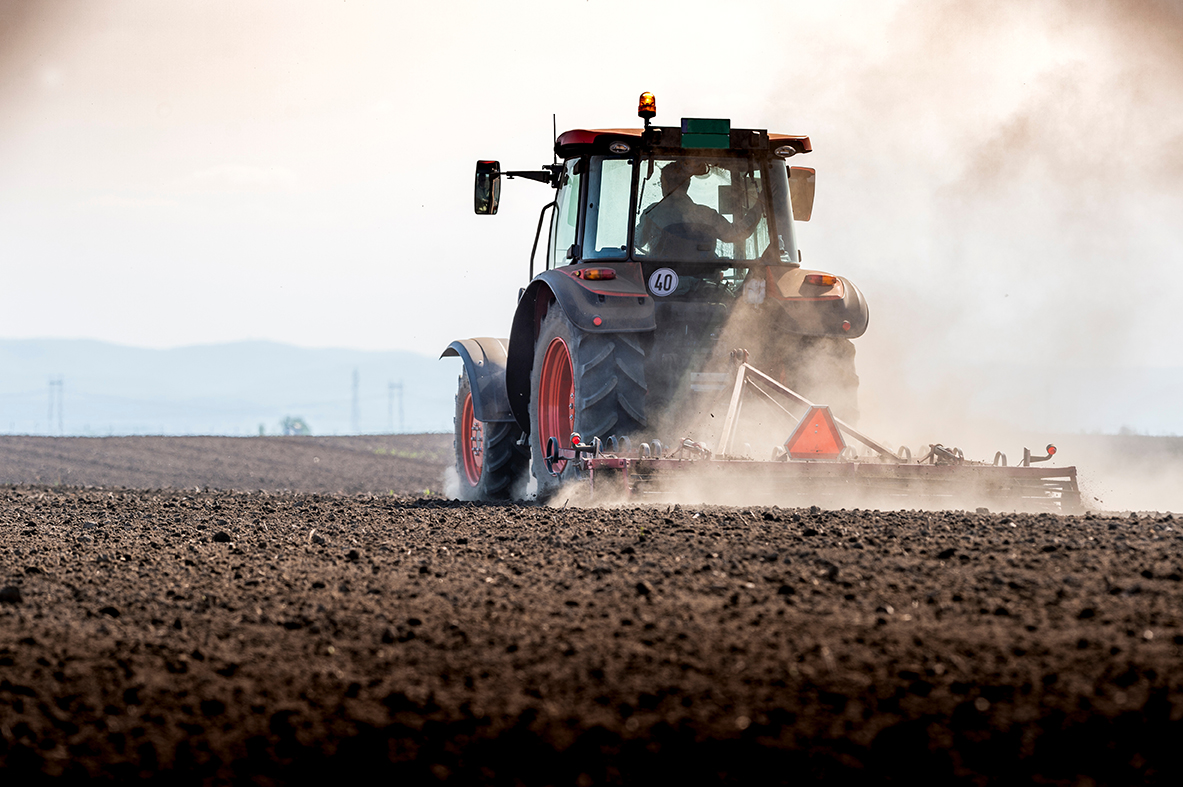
(267, 636)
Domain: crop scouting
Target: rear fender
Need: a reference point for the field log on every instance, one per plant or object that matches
(484, 359)
(818, 310)
(620, 305)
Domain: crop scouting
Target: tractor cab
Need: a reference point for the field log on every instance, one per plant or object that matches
(701, 202)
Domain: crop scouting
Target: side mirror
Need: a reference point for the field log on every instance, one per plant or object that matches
(487, 190)
(801, 183)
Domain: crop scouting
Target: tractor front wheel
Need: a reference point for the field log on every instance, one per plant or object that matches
(489, 462)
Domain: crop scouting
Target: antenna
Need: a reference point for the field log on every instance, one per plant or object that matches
(554, 125)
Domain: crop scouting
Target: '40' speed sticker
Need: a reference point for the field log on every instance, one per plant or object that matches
(663, 281)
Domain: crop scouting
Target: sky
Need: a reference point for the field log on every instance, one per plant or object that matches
(1004, 180)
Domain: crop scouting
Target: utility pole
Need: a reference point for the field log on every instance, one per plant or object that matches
(356, 402)
(393, 386)
(55, 403)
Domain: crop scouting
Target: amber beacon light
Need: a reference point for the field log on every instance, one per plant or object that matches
(647, 107)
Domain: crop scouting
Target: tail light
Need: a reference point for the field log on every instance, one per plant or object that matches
(596, 274)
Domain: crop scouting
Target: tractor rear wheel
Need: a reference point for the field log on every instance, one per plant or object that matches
(590, 383)
(489, 462)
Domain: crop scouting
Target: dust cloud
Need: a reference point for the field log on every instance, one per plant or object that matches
(1003, 182)
(451, 482)
(24, 26)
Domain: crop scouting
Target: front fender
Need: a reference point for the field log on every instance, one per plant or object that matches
(484, 360)
(620, 305)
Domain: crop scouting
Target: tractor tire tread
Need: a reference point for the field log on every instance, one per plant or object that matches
(610, 389)
(506, 463)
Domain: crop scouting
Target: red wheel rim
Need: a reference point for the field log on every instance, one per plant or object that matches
(556, 398)
(472, 438)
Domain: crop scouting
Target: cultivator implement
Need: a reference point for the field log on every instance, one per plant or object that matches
(824, 461)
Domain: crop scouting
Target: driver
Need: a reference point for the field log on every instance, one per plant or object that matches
(677, 227)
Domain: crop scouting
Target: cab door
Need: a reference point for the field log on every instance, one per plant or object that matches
(564, 221)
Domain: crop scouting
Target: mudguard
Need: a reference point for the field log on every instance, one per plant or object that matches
(484, 359)
(856, 309)
(620, 305)
(838, 310)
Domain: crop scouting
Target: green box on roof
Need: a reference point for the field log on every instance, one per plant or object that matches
(715, 141)
(706, 126)
(712, 133)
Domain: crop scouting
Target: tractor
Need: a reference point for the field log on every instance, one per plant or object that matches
(668, 247)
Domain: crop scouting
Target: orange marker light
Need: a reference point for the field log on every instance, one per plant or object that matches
(647, 106)
(821, 279)
(596, 274)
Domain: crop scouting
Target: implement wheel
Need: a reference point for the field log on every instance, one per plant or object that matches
(590, 383)
(489, 462)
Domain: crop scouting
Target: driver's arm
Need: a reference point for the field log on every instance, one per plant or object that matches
(733, 232)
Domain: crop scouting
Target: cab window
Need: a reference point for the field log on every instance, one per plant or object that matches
(609, 186)
(700, 210)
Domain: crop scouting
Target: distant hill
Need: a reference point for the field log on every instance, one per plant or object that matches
(226, 389)
(233, 389)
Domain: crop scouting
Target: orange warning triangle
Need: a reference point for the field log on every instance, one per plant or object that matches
(816, 437)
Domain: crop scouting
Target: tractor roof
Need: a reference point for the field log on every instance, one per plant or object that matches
(589, 136)
(584, 140)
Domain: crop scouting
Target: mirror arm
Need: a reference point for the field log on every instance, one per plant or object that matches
(549, 174)
(541, 177)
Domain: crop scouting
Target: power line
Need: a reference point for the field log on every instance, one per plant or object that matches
(56, 385)
(393, 386)
(356, 402)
